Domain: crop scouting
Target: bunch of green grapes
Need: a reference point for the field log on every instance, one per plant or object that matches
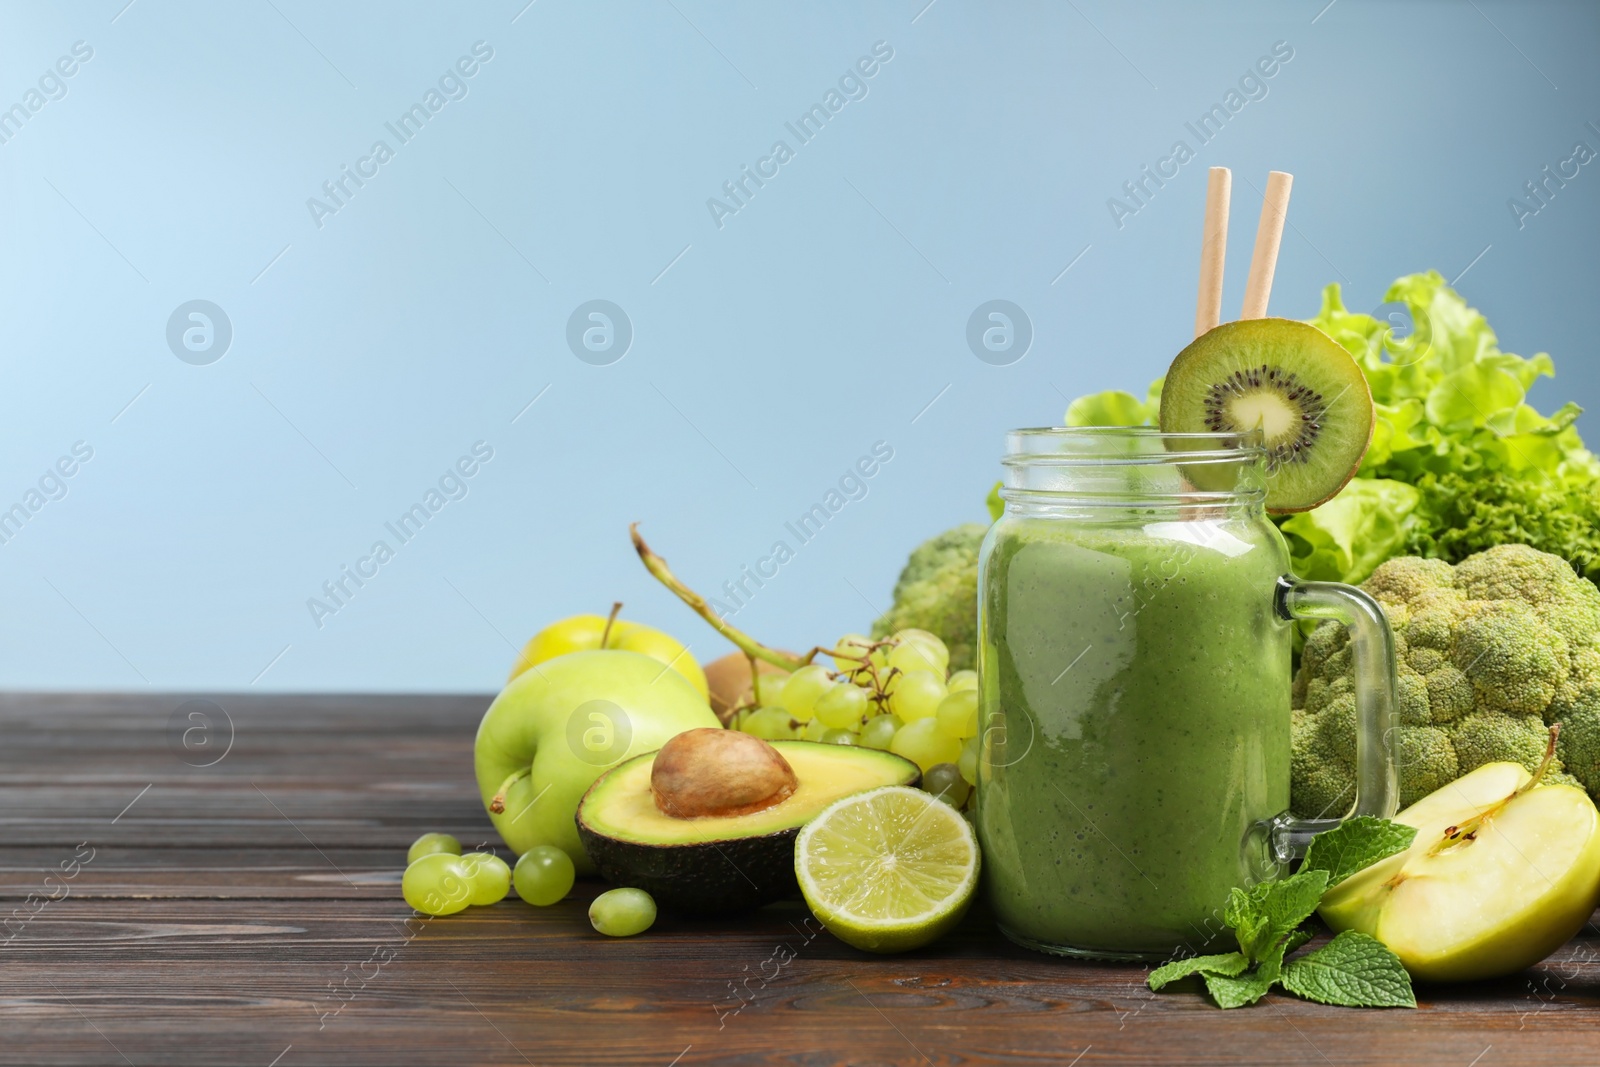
(896, 694)
(439, 880)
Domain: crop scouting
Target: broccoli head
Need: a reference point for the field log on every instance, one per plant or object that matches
(1490, 652)
(938, 592)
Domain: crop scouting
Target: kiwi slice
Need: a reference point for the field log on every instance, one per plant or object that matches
(1308, 396)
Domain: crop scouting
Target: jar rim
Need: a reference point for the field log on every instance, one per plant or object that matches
(1098, 446)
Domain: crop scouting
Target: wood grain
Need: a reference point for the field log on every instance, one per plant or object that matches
(249, 913)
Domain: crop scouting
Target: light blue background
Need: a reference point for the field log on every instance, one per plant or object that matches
(823, 317)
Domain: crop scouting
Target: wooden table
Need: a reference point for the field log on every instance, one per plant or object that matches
(248, 912)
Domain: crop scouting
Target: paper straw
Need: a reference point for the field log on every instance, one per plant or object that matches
(1213, 250)
(1269, 234)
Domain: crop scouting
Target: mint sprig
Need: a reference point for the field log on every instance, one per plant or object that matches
(1264, 914)
(1353, 969)
(1251, 986)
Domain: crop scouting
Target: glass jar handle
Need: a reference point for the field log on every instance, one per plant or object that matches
(1372, 657)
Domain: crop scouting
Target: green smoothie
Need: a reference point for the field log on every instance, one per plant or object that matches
(1136, 701)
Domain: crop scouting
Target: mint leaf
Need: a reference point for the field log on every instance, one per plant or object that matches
(1245, 915)
(1295, 940)
(1356, 844)
(1290, 901)
(1227, 963)
(1355, 970)
(1236, 992)
(1264, 914)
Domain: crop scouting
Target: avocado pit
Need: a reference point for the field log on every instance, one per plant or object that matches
(709, 772)
(637, 827)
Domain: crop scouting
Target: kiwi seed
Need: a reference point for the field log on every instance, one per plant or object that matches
(1306, 402)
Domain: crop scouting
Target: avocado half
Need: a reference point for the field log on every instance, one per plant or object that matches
(717, 864)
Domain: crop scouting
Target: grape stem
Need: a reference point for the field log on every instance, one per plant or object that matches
(880, 686)
(755, 677)
(752, 648)
(616, 608)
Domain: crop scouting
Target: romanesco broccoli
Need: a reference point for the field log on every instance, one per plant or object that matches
(938, 592)
(1490, 652)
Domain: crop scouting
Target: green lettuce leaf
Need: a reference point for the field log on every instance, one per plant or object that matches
(1112, 408)
(1488, 508)
(1471, 397)
(1345, 539)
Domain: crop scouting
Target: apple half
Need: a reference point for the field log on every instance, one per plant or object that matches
(1498, 878)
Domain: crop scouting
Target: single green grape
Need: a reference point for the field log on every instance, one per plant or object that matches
(968, 763)
(856, 648)
(934, 654)
(840, 737)
(428, 844)
(923, 744)
(437, 884)
(958, 714)
(814, 731)
(771, 724)
(842, 706)
(769, 687)
(543, 875)
(961, 681)
(488, 876)
(914, 656)
(916, 696)
(879, 731)
(913, 633)
(944, 781)
(622, 912)
(804, 686)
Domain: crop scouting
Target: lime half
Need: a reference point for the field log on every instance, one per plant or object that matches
(887, 870)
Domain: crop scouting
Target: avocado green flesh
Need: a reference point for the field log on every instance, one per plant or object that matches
(720, 864)
(621, 806)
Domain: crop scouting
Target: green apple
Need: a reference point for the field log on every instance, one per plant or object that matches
(580, 633)
(560, 725)
(1498, 878)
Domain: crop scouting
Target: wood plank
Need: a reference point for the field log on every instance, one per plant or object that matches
(250, 911)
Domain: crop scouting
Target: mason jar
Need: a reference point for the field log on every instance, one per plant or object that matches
(1135, 618)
